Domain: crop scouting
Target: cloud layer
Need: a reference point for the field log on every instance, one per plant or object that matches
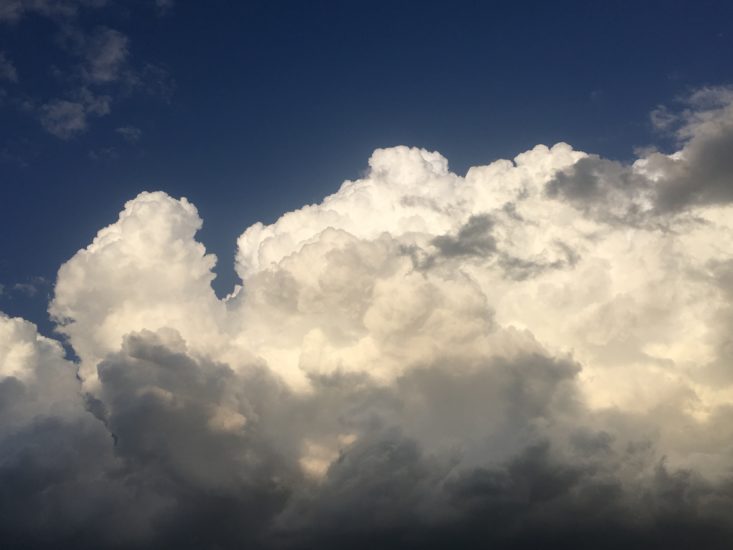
(535, 353)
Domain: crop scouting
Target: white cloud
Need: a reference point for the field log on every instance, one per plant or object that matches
(144, 271)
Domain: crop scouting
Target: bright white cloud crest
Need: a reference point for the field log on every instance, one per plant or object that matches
(560, 299)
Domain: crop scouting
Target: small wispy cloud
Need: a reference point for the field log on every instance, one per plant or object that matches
(65, 118)
(104, 153)
(131, 134)
(29, 289)
(164, 6)
(8, 71)
(105, 56)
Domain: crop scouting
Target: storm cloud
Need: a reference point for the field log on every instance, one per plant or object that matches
(534, 354)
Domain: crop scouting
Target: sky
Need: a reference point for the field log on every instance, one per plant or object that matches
(376, 274)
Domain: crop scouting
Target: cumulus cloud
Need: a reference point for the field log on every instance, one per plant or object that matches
(534, 354)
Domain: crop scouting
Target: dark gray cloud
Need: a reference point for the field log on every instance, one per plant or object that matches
(473, 239)
(182, 452)
(603, 188)
(705, 174)
(699, 174)
(519, 269)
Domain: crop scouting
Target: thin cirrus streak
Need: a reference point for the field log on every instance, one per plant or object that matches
(535, 353)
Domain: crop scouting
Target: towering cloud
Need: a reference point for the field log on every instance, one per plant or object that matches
(536, 353)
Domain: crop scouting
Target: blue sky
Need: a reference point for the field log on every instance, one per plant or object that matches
(251, 109)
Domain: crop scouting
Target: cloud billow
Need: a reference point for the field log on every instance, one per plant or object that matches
(533, 354)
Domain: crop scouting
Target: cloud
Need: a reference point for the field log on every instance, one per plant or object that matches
(98, 295)
(7, 69)
(534, 354)
(164, 6)
(65, 118)
(474, 238)
(131, 134)
(699, 173)
(106, 54)
(104, 153)
(50, 448)
(32, 287)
